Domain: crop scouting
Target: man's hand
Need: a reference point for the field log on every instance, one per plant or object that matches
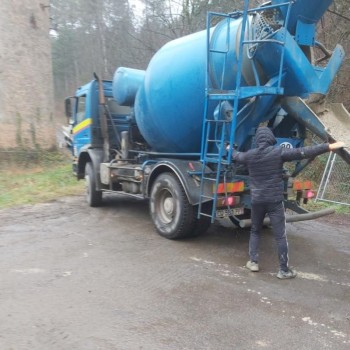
(336, 145)
(234, 147)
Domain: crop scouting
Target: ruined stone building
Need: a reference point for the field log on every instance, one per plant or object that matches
(26, 83)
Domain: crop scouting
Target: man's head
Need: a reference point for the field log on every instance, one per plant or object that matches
(264, 137)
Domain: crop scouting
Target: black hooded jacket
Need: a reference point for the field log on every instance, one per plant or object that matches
(265, 165)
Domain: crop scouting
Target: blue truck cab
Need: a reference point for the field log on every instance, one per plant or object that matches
(85, 124)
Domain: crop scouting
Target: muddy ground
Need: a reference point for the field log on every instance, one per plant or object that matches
(74, 277)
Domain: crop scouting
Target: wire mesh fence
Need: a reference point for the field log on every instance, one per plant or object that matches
(335, 183)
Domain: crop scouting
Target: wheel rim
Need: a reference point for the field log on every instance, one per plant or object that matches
(166, 206)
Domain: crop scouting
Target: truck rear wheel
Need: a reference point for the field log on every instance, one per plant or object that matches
(171, 212)
(93, 197)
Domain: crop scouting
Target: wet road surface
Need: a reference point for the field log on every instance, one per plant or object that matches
(74, 277)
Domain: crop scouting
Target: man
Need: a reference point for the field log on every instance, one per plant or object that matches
(265, 166)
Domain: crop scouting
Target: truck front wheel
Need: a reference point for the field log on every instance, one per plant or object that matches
(171, 212)
(93, 197)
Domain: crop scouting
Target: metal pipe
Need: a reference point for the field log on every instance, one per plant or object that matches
(125, 144)
(166, 154)
(323, 178)
(333, 155)
(292, 218)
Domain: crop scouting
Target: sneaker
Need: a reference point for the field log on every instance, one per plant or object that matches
(252, 266)
(286, 274)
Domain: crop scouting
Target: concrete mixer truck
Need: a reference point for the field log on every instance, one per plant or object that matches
(162, 134)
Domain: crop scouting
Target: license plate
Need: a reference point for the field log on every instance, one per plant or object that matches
(224, 213)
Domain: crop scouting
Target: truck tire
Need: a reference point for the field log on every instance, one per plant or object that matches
(172, 214)
(93, 197)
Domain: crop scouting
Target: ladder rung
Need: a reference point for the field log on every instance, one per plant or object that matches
(222, 96)
(212, 91)
(218, 51)
(214, 141)
(212, 160)
(204, 214)
(208, 178)
(263, 41)
(216, 161)
(207, 197)
(218, 121)
(212, 155)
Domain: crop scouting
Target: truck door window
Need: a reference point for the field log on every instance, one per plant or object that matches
(81, 103)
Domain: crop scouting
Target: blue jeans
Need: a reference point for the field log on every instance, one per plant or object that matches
(276, 213)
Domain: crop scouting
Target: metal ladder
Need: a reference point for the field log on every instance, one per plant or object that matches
(219, 132)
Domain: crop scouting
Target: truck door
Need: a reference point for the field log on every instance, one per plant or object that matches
(82, 124)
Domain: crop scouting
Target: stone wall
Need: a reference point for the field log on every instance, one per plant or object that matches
(26, 83)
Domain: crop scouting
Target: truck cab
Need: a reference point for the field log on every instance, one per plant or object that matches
(85, 131)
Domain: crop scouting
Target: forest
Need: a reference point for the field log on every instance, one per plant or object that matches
(100, 35)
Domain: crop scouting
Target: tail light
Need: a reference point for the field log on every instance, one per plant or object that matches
(227, 193)
(230, 201)
(308, 194)
(302, 185)
(230, 187)
(303, 190)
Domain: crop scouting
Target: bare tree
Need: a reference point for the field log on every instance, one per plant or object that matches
(100, 35)
(91, 37)
(335, 29)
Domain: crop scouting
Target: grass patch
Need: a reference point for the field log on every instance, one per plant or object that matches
(50, 176)
(20, 186)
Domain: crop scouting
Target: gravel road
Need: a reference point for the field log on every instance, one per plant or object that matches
(74, 277)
